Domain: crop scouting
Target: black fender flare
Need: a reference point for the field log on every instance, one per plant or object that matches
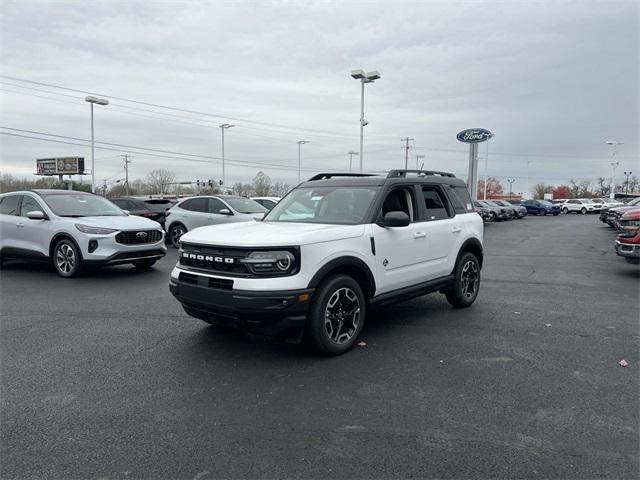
(345, 264)
(472, 245)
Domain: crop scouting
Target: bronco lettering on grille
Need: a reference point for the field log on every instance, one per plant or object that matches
(207, 258)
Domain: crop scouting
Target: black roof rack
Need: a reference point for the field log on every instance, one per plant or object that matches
(325, 176)
(403, 173)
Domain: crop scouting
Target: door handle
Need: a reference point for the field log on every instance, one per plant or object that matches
(456, 229)
(20, 225)
(419, 235)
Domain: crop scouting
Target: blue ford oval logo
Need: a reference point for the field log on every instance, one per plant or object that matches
(474, 135)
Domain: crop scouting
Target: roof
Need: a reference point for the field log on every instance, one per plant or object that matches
(51, 191)
(394, 177)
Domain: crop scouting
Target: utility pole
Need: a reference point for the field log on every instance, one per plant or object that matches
(125, 157)
(406, 153)
(351, 154)
(627, 174)
(223, 127)
(300, 143)
(418, 158)
(104, 188)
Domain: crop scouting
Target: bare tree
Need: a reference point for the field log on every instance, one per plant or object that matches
(539, 189)
(280, 189)
(585, 189)
(158, 178)
(261, 185)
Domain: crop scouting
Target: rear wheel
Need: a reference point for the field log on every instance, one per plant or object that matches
(175, 232)
(542, 212)
(66, 259)
(466, 284)
(144, 264)
(337, 315)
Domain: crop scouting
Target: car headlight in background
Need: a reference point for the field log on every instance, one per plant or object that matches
(94, 230)
(276, 262)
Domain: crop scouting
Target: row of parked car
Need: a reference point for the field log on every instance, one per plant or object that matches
(625, 219)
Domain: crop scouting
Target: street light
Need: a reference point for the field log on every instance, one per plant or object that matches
(364, 78)
(223, 127)
(300, 143)
(627, 174)
(351, 154)
(100, 101)
(418, 158)
(511, 182)
(614, 144)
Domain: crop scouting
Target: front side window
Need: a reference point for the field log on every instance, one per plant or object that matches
(29, 205)
(401, 200)
(81, 205)
(434, 203)
(9, 205)
(245, 205)
(328, 205)
(216, 205)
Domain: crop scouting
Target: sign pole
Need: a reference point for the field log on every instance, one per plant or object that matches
(472, 178)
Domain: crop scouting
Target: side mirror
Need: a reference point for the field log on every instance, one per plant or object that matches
(225, 211)
(396, 219)
(126, 212)
(36, 215)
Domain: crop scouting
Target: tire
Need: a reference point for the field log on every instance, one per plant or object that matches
(555, 214)
(462, 294)
(565, 210)
(493, 217)
(175, 232)
(583, 211)
(542, 212)
(144, 264)
(66, 259)
(337, 315)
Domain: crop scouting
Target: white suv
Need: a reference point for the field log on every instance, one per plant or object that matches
(194, 212)
(332, 248)
(74, 230)
(580, 205)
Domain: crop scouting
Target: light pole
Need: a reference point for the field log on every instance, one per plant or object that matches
(369, 77)
(626, 182)
(511, 182)
(486, 165)
(351, 154)
(528, 175)
(614, 144)
(223, 127)
(300, 143)
(100, 101)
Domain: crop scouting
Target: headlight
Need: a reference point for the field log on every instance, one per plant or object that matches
(94, 230)
(278, 262)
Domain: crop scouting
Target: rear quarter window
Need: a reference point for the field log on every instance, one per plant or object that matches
(461, 200)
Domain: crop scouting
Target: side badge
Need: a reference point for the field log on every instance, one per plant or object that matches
(385, 262)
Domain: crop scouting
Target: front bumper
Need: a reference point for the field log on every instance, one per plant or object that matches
(628, 250)
(281, 314)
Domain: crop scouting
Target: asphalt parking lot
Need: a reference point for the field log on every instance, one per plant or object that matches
(106, 377)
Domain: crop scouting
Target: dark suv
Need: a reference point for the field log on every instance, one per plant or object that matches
(541, 207)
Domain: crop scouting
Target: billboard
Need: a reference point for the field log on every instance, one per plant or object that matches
(60, 166)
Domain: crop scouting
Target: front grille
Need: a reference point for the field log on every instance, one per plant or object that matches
(223, 260)
(137, 237)
(209, 282)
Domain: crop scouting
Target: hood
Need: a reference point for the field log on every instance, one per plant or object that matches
(130, 222)
(267, 234)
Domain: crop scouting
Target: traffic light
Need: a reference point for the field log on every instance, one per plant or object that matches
(210, 183)
(220, 182)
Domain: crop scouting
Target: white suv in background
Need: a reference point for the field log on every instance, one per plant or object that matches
(580, 205)
(194, 212)
(74, 230)
(329, 250)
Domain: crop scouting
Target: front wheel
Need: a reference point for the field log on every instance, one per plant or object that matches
(144, 264)
(542, 212)
(565, 210)
(337, 315)
(66, 259)
(583, 211)
(466, 284)
(175, 232)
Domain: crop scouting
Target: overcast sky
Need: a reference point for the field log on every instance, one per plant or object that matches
(553, 80)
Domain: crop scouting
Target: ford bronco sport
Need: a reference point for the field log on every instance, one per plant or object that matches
(335, 246)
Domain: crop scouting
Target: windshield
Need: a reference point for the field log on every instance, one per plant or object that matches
(245, 205)
(81, 205)
(545, 202)
(330, 205)
(597, 200)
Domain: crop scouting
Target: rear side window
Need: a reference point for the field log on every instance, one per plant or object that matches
(196, 205)
(9, 205)
(460, 199)
(435, 203)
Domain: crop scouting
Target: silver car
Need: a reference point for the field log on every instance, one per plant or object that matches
(194, 212)
(74, 230)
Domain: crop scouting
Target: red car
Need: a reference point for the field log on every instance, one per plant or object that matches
(628, 242)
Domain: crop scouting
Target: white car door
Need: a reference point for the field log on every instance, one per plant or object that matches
(442, 230)
(33, 235)
(9, 221)
(195, 213)
(401, 252)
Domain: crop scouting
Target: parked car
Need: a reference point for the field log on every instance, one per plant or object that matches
(361, 241)
(153, 209)
(74, 230)
(486, 214)
(266, 202)
(495, 212)
(580, 205)
(519, 210)
(194, 212)
(628, 242)
(610, 215)
(607, 202)
(541, 207)
(511, 212)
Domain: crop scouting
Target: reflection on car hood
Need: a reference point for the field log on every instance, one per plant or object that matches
(118, 222)
(254, 234)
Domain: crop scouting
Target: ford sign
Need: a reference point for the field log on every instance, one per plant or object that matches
(474, 135)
